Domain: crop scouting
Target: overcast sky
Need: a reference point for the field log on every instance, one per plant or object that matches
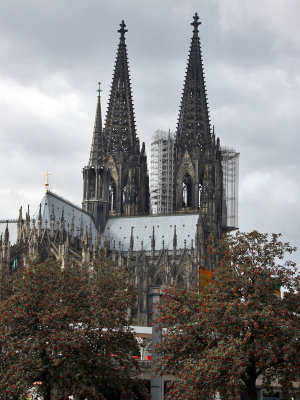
(54, 52)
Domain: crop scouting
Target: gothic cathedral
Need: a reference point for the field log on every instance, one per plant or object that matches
(115, 218)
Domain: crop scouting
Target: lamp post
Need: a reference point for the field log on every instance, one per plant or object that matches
(157, 386)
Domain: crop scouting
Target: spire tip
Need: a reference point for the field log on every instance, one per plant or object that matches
(195, 22)
(99, 89)
(122, 30)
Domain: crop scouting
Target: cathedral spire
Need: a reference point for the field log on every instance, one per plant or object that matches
(193, 130)
(120, 131)
(97, 150)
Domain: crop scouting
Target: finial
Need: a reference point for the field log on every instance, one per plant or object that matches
(153, 239)
(47, 181)
(6, 233)
(99, 89)
(40, 212)
(20, 214)
(122, 30)
(131, 238)
(195, 23)
(175, 237)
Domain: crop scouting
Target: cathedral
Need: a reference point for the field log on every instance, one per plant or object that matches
(115, 219)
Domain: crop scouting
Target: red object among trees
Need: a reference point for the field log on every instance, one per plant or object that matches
(223, 338)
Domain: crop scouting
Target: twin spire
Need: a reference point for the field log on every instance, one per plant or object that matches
(193, 129)
(119, 134)
(120, 130)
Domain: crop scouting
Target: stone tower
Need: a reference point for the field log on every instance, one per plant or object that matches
(128, 188)
(116, 180)
(96, 176)
(198, 168)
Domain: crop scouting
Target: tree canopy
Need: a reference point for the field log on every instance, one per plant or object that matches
(67, 328)
(237, 328)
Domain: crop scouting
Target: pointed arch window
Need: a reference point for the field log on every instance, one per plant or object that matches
(187, 191)
(112, 195)
(92, 183)
(180, 280)
(199, 195)
(124, 196)
(158, 281)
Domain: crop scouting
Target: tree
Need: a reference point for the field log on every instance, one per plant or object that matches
(67, 327)
(237, 328)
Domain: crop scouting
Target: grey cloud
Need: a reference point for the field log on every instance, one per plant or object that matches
(59, 50)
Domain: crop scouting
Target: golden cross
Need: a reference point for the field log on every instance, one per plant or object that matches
(47, 180)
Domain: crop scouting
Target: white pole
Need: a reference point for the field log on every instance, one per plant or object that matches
(157, 387)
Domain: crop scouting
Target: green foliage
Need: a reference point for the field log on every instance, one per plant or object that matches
(237, 328)
(67, 328)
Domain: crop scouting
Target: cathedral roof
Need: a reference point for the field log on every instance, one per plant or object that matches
(119, 231)
(64, 208)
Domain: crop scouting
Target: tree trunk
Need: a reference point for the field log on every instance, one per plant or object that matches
(251, 390)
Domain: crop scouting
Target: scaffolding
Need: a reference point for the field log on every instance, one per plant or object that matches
(162, 172)
(230, 167)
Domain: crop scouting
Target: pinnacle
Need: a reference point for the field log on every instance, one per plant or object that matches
(193, 122)
(120, 127)
(96, 154)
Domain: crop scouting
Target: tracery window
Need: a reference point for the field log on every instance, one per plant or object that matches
(92, 182)
(187, 191)
(112, 195)
(199, 195)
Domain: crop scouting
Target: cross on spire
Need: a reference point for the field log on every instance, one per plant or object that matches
(122, 30)
(47, 181)
(99, 89)
(195, 23)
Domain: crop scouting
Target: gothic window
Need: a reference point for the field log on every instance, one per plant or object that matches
(180, 280)
(124, 195)
(158, 281)
(199, 195)
(187, 191)
(92, 182)
(112, 195)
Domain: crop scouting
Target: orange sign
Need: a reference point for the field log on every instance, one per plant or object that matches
(205, 277)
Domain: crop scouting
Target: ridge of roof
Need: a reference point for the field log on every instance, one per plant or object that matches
(68, 202)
